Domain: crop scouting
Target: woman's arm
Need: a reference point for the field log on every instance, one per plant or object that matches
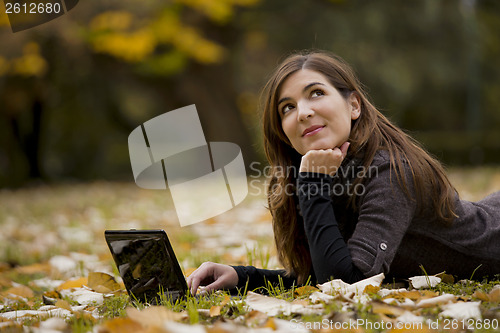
(258, 278)
(329, 253)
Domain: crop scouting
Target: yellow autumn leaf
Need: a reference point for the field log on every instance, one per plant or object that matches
(121, 325)
(386, 309)
(481, 295)
(102, 282)
(73, 283)
(154, 315)
(370, 289)
(35, 268)
(215, 310)
(270, 324)
(63, 304)
(494, 295)
(304, 291)
(21, 291)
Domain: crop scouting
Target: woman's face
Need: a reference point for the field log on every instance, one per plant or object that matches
(314, 115)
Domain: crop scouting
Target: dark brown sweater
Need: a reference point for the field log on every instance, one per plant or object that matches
(387, 233)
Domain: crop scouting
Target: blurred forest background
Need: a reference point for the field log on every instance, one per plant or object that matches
(72, 90)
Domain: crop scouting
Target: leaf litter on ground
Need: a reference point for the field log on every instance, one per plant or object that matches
(48, 284)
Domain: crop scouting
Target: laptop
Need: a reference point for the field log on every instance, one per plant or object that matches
(147, 264)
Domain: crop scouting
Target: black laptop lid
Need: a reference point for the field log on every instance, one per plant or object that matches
(147, 264)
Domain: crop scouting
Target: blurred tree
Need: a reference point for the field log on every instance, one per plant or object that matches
(80, 85)
(72, 89)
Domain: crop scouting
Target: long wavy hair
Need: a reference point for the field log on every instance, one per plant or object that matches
(371, 132)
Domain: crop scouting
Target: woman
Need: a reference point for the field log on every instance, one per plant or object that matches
(366, 199)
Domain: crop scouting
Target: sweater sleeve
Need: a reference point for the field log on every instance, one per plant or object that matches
(385, 215)
(259, 278)
(329, 252)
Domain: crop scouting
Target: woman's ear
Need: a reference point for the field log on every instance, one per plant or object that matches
(355, 105)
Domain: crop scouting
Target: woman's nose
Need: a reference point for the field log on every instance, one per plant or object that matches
(304, 111)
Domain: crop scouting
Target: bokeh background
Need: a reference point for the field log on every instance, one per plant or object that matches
(71, 90)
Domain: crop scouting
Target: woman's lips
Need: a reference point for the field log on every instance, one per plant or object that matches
(312, 130)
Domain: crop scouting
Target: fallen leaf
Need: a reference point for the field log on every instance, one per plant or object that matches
(462, 310)
(215, 310)
(317, 296)
(419, 282)
(304, 291)
(120, 325)
(494, 294)
(102, 282)
(20, 290)
(63, 304)
(439, 300)
(370, 289)
(73, 283)
(35, 268)
(54, 324)
(154, 315)
(386, 309)
(273, 306)
(83, 296)
(446, 278)
(357, 288)
(270, 324)
(11, 327)
(481, 295)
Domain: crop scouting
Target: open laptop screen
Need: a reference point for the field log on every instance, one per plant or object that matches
(147, 264)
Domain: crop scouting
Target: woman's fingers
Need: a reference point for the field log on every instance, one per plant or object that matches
(325, 161)
(212, 276)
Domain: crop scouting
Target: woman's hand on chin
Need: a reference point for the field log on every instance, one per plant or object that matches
(325, 161)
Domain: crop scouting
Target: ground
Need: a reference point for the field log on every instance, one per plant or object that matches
(56, 273)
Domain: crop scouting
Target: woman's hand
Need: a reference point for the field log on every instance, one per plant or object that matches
(212, 276)
(326, 161)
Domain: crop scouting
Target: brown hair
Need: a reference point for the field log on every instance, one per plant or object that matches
(371, 132)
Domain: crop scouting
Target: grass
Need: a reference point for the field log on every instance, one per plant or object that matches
(71, 218)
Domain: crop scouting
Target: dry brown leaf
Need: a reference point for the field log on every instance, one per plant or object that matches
(11, 327)
(215, 310)
(226, 300)
(63, 304)
(120, 325)
(386, 309)
(270, 324)
(481, 295)
(494, 294)
(21, 291)
(304, 291)
(102, 282)
(35, 268)
(73, 283)
(154, 315)
(255, 317)
(84, 315)
(446, 278)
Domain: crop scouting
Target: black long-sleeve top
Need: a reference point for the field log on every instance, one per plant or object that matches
(388, 232)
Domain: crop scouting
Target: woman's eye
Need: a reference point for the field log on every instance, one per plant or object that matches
(286, 108)
(317, 92)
